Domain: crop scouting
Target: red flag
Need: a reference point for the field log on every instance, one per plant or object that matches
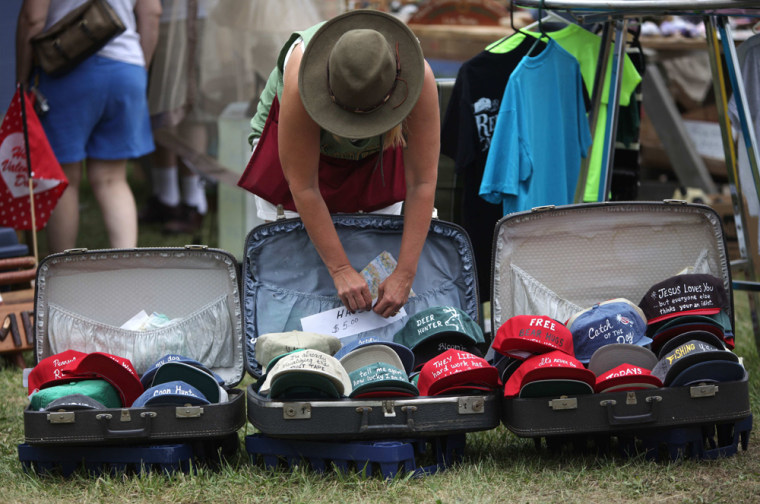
(48, 180)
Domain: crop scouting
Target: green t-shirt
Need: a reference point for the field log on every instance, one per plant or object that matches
(585, 46)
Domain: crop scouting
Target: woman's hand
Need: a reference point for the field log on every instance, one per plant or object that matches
(352, 289)
(393, 293)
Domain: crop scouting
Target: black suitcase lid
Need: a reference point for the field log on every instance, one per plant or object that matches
(555, 261)
(284, 279)
(83, 297)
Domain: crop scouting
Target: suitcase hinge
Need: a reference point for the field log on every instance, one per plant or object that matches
(296, 411)
(73, 251)
(471, 405)
(60, 417)
(703, 390)
(564, 403)
(674, 201)
(193, 246)
(188, 412)
(542, 208)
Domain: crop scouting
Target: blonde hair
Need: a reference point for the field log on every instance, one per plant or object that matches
(395, 137)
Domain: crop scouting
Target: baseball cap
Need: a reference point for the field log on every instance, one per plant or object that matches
(74, 402)
(688, 354)
(555, 365)
(680, 339)
(686, 294)
(711, 371)
(437, 329)
(718, 324)
(49, 370)
(171, 393)
(98, 389)
(270, 345)
(524, 335)
(370, 354)
(380, 379)
(615, 354)
(613, 321)
(302, 366)
(198, 378)
(147, 378)
(118, 371)
(404, 353)
(626, 377)
(456, 371)
(292, 386)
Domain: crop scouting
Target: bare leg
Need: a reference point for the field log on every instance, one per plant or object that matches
(63, 225)
(108, 179)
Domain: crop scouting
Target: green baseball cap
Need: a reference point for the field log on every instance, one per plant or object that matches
(100, 390)
(436, 323)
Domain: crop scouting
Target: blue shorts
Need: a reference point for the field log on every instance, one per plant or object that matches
(98, 110)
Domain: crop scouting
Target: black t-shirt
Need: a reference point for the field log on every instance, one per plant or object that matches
(466, 137)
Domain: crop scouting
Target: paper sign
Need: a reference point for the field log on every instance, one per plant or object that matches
(341, 323)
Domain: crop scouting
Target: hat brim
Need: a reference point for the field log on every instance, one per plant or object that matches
(313, 84)
(611, 356)
(555, 388)
(631, 381)
(102, 366)
(711, 371)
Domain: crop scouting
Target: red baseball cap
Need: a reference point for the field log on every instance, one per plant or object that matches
(456, 370)
(118, 371)
(556, 365)
(626, 377)
(49, 371)
(532, 334)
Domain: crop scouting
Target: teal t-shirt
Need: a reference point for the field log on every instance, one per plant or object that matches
(585, 47)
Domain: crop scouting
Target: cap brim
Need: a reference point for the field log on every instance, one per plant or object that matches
(313, 83)
(484, 376)
(627, 380)
(74, 402)
(466, 389)
(304, 385)
(712, 371)
(611, 356)
(555, 388)
(389, 387)
(628, 386)
(695, 358)
(431, 347)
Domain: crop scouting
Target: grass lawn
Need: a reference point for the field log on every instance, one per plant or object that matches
(497, 466)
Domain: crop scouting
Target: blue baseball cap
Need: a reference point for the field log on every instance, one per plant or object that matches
(173, 393)
(614, 321)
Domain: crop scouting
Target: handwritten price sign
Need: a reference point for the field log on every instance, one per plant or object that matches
(341, 323)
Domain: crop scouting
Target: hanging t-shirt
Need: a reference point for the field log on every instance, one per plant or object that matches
(585, 47)
(466, 133)
(541, 134)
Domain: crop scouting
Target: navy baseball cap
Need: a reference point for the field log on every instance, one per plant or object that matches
(173, 393)
(686, 355)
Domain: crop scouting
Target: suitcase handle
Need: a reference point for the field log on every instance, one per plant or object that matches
(141, 433)
(405, 427)
(649, 417)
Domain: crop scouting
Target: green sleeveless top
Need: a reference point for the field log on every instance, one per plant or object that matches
(329, 144)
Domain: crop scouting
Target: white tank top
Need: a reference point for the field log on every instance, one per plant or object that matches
(124, 47)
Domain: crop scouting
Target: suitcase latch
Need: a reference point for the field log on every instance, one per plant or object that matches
(389, 409)
(188, 412)
(703, 390)
(125, 416)
(296, 411)
(59, 417)
(564, 403)
(471, 405)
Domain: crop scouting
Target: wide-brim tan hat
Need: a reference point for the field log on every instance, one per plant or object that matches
(352, 84)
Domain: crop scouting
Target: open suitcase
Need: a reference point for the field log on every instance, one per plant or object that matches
(83, 297)
(284, 280)
(555, 261)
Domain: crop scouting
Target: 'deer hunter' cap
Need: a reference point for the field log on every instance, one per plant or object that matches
(437, 329)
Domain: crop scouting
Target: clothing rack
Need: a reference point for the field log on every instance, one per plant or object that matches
(615, 16)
